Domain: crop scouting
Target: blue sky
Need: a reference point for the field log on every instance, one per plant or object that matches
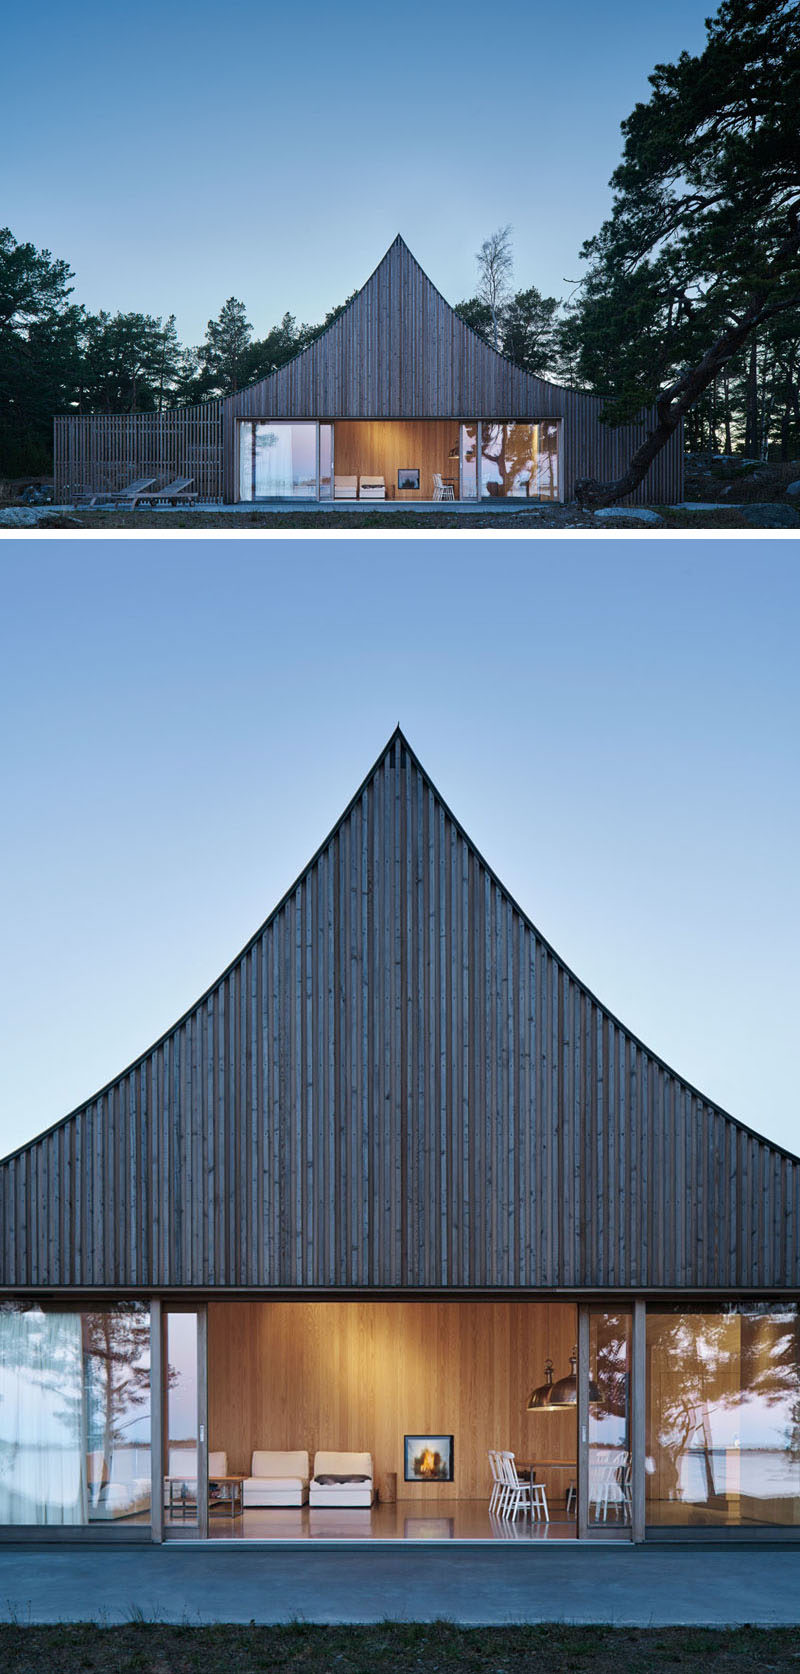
(616, 725)
(178, 154)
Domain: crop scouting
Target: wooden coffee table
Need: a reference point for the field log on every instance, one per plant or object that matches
(232, 1500)
(182, 1501)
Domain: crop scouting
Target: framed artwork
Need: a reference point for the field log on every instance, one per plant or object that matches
(408, 477)
(428, 1459)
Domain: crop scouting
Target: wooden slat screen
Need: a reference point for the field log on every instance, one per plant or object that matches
(107, 451)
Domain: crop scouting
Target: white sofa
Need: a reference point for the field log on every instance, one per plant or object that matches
(277, 1479)
(371, 488)
(342, 1493)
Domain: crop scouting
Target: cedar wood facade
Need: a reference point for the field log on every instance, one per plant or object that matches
(399, 1090)
(398, 353)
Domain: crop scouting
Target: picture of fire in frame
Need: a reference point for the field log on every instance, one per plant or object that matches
(429, 1459)
(408, 477)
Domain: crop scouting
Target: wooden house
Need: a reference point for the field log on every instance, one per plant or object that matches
(398, 400)
(399, 1188)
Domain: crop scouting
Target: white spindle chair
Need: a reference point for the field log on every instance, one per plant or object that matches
(442, 490)
(611, 1486)
(518, 1494)
(498, 1484)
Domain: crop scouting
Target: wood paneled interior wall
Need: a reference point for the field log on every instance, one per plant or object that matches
(364, 449)
(361, 1375)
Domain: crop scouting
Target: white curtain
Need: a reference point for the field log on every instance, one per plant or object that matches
(42, 1451)
(274, 476)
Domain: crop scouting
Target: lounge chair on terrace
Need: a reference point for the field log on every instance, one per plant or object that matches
(176, 493)
(114, 496)
(372, 488)
(345, 488)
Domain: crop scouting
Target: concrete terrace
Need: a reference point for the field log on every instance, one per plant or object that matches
(656, 1585)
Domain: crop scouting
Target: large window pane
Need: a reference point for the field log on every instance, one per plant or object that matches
(544, 483)
(245, 461)
(519, 461)
(285, 461)
(180, 1488)
(723, 1416)
(326, 461)
(74, 1415)
(610, 1418)
(469, 462)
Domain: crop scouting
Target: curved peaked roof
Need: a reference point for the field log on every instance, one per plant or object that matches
(398, 1083)
(398, 350)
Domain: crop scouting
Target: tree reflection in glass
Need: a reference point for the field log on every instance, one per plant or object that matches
(519, 460)
(723, 1415)
(609, 1417)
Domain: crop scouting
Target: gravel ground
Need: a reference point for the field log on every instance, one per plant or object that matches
(528, 522)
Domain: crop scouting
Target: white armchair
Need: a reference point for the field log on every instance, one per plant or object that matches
(278, 1478)
(342, 1479)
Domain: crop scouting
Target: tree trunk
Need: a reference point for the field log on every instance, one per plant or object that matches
(751, 404)
(674, 403)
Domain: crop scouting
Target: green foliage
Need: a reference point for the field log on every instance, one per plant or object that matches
(530, 331)
(39, 352)
(222, 356)
(129, 363)
(528, 328)
(478, 315)
(702, 245)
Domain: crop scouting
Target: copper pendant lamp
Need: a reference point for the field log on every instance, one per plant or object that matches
(552, 1397)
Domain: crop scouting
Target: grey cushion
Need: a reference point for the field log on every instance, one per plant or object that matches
(330, 1481)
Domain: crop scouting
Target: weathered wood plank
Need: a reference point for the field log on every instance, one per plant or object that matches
(399, 1084)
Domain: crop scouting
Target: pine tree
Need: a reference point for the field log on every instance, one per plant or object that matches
(702, 249)
(222, 355)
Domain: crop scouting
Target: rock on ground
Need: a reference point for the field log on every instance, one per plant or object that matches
(770, 516)
(32, 517)
(638, 514)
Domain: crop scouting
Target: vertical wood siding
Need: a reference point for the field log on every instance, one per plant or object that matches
(399, 351)
(107, 451)
(398, 1083)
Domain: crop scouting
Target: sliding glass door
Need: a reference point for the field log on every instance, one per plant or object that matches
(75, 1415)
(282, 460)
(504, 459)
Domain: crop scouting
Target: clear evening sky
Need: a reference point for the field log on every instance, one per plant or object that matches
(615, 724)
(178, 153)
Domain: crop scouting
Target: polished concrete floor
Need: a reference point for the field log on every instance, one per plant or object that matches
(553, 1581)
(406, 1520)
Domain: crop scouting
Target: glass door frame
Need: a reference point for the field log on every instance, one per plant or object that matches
(636, 1532)
(159, 1442)
(252, 420)
(477, 498)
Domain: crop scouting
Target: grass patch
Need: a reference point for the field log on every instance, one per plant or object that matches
(395, 1648)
